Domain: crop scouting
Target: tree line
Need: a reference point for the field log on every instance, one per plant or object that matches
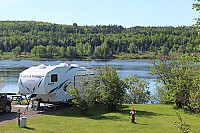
(100, 41)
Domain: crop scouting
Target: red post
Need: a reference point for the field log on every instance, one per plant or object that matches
(133, 115)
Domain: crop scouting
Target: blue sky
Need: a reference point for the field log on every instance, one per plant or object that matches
(127, 13)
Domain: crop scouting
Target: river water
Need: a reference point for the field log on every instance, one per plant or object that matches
(10, 70)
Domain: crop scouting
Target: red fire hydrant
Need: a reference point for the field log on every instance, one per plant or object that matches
(133, 115)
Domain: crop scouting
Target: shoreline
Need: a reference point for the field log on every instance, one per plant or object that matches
(61, 59)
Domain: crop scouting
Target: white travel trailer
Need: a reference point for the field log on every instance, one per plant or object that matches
(48, 84)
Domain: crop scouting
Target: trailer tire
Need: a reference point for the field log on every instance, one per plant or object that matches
(7, 108)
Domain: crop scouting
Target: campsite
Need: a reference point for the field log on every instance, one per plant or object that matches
(68, 118)
(99, 66)
(149, 118)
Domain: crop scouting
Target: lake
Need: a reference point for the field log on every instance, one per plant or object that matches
(10, 70)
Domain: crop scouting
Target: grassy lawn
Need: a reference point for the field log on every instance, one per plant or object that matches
(150, 118)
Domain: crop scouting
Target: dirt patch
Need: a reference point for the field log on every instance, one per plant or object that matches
(13, 115)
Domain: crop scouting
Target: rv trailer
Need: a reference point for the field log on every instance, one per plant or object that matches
(48, 84)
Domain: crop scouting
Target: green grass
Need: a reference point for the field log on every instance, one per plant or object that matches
(23, 102)
(150, 118)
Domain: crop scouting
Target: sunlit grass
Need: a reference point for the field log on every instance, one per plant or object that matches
(150, 118)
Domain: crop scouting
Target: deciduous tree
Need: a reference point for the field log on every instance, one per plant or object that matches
(138, 90)
(112, 87)
(85, 92)
(180, 81)
(16, 51)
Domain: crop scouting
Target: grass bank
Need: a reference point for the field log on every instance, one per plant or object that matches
(150, 118)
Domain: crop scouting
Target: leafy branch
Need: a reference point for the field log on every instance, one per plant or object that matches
(182, 126)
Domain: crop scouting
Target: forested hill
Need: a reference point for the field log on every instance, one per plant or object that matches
(50, 40)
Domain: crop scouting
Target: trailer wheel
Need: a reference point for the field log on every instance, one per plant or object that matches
(7, 108)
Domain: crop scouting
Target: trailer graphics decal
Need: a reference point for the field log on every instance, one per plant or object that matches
(64, 83)
(23, 85)
(69, 69)
(38, 85)
(65, 86)
(58, 87)
(39, 81)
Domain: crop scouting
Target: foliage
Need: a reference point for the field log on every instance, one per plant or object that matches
(98, 52)
(16, 51)
(49, 50)
(62, 52)
(183, 127)
(1, 52)
(164, 50)
(71, 52)
(41, 51)
(87, 49)
(98, 41)
(196, 6)
(138, 90)
(85, 91)
(180, 82)
(101, 52)
(113, 89)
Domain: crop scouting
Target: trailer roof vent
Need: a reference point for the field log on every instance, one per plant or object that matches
(42, 66)
(75, 65)
(63, 64)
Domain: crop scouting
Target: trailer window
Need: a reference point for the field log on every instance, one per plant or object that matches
(54, 78)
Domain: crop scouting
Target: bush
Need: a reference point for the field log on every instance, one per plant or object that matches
(138, 90)
(112, 88)
(180, 82)
(85, 92)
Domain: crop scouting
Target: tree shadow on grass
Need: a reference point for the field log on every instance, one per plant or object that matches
(147, 114)
(125, 110)
(100, 112)
(141, 113)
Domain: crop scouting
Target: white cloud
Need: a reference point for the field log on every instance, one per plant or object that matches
(5, 3)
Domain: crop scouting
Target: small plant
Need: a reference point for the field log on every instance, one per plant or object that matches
(68, 63)
(37, 64)
(183, 127)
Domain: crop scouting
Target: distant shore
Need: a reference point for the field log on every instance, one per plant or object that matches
(120, 56)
